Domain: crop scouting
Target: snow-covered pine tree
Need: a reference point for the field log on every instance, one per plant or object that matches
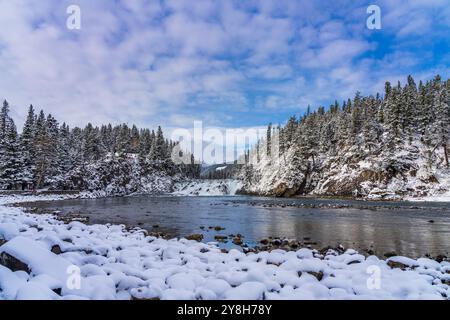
(65, 162)
(343, 127)
(13, 163)
(145, 143)
(53, 150)
(356, 118)
(91, 146)
(412, 108)
(10, 164)
(77, 148)
(393, 119)
(123, 141)
(134, 140)
(269, 140)
(369, 126)
(4, 115)
(441, 131)
(158, 148)
(27, 147)
(41, 143)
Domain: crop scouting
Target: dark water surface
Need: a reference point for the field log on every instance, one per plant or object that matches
(411, 229)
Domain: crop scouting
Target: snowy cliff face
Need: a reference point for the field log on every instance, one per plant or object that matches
(207, 187)
(376, 147)
(409, 172)
(119, 177)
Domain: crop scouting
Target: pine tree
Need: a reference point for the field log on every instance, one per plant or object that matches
(91, 146)
(441, 132)
(43, 150)
(27, 147)
(356, 117)
(145, 143)
(269, 140)
(64, 146)
(10, 165)
(77, 148)
(412, 108)
(123, 140)
(158, 149)
(4, 117)
(134, 140)
(393, 119)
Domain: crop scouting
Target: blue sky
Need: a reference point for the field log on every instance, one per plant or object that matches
(228, 63)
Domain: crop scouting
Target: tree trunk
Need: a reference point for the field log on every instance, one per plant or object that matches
(445, 154)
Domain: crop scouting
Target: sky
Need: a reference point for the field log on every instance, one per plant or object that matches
(227, 63)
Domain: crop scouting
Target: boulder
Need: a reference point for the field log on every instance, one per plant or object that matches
(276, 242)
(13, 263)
(197, 237)
(318, 275)
(390, 254)
(237, 241)
(221, 238)
(396, 265)
(56, 249)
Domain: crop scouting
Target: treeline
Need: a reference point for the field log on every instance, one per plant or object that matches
(46, 150)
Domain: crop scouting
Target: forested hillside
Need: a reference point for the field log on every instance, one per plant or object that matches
(375, 146)
(382, 146)
(107, 159)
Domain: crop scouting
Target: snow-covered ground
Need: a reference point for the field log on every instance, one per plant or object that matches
(437, 194)
(18, 198)
(207, 187)
(445, 197)
(53, 260)
(405, 175)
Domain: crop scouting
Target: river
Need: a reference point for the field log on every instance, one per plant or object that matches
(410, 229)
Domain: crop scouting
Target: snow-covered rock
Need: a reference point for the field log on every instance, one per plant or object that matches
(119, 177)
(207, 187)
(406, 174)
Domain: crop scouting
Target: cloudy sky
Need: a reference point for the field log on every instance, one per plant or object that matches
(229, 63)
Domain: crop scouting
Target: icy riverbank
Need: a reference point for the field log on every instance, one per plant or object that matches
(43, 258)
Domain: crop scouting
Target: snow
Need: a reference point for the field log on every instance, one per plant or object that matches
(10, 283)
(436, 197)
(403, 260)
(8, 231)
(116, 263)
(246, 291)
(345, 174)
(207, 188)
(440, 193)
(17, 198)
(33, 291)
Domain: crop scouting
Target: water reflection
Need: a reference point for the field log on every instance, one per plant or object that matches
(392, 227)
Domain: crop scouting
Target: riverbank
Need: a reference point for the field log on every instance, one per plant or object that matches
(116, 263)
(372, 228)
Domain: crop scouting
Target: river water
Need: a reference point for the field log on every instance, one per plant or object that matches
(411, 229)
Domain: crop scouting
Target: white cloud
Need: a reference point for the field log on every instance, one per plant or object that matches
(171, 62)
